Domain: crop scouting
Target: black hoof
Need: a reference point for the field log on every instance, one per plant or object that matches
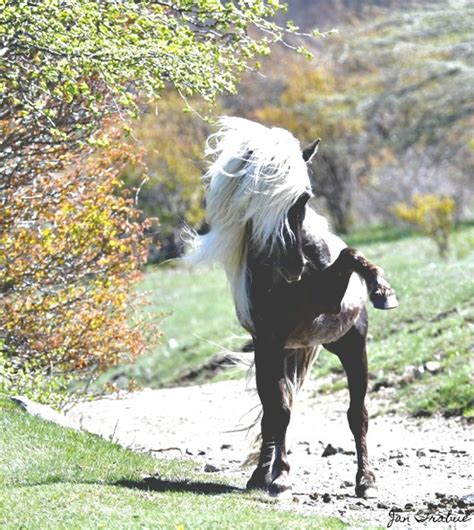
(258, 481)
(261, 481)
(365, 485)
(366, 492)
(381, 301)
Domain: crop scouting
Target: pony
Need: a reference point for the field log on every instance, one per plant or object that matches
(296, 286)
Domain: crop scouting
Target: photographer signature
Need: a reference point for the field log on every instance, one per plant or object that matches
(427, 517)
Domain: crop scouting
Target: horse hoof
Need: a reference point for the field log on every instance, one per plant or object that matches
(258, 481)
(279, 485)
(366, 492)
(380, 301)
(253, 484)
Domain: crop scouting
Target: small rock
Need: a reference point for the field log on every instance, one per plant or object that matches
(420, 453)
(330, 450)
(419, 371)
(194, 452)
(382, 383)
(466, 500)
(327, 497)
(173, 343)
(396, 454)
(400, 462)
(458, 451)
(409, 374)
(314, 496)
(382, 506)
(348, 484)
(296, 500)
(226, 446)
(433, 366)
(210, 468)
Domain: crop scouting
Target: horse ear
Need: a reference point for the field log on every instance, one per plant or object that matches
(309, 152)
(302, 200)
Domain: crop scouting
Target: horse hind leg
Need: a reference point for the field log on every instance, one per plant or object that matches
(381, 294)
(351, 350)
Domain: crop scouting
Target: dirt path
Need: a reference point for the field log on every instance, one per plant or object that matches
(420, 464)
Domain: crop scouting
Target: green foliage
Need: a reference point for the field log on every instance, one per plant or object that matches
(54, 478)
(72, 248)
(59, 48)
(71, 240)
(171, 188)
(433, 215)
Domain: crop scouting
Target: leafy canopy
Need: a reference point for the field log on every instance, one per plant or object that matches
(197, 46)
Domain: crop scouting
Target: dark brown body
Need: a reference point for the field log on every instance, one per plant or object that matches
(291, 320)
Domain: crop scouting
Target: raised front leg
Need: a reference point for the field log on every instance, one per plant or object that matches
(381, 294)
(272, 471)
(352, 353)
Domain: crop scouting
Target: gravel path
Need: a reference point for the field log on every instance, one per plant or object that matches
(420, 464)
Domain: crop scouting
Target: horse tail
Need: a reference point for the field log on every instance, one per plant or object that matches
(298, 363)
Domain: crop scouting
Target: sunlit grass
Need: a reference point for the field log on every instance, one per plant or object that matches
(434, 319)
(53, 478)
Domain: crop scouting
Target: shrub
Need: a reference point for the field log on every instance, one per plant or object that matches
(72, 248)
(433, 215)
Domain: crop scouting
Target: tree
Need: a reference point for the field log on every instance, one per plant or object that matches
(173, 143)
(72, 73)
(72, 248)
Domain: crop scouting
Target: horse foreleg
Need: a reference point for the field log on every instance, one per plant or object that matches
(272, 471)
(381, 294)
(351, 350)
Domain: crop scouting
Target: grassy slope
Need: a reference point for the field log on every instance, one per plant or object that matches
(434, 320)
(52, 477)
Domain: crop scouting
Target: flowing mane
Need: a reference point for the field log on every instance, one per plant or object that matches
(256, 174)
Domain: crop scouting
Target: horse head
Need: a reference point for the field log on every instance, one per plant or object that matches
(291, 260)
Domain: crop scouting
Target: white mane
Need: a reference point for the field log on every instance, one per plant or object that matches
(256, 176)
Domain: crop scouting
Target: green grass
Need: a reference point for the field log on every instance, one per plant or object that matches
(52, 477)
(198, 321)
(434, 320)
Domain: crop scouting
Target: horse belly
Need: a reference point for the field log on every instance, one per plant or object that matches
(326, 328)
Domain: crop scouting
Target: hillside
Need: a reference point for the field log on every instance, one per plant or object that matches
(433, 323)
(390, 95)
